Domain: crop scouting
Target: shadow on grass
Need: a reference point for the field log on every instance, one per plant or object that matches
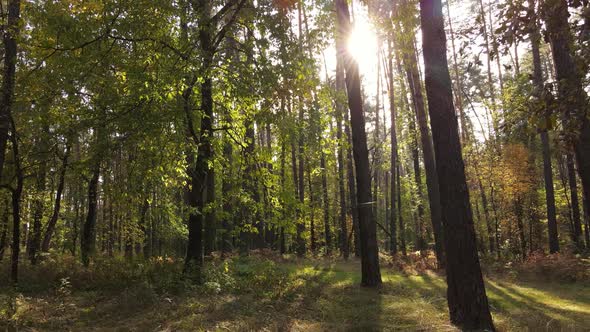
(520, 310)
(312, 296)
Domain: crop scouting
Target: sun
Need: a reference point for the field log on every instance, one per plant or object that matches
(362, 44)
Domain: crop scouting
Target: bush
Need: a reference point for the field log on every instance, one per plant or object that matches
(562, 267)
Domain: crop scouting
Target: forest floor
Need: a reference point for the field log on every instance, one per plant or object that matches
(270, 295)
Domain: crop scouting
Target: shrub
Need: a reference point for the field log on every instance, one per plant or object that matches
(563, 267)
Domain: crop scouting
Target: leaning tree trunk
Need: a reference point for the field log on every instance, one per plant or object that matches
(427, 150)
(371, 274)
(466, 296)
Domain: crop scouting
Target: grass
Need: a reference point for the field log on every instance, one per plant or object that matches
(260, 294)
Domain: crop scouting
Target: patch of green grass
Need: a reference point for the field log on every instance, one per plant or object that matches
(310, 295)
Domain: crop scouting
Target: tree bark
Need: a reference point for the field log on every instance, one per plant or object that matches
(394, 151)
(11, 32)
(371, 274)
(340, 110)
(56, 208)
(467, 300)
(38, 205)
(88, 239)
(575, 203)
(4, 228)
(427, 151)
(326, 202)
(535, 38)
(572, 96)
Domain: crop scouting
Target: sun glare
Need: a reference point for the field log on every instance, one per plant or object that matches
(362, 44)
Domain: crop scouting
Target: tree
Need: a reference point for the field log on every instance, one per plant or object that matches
(10, 34)
(371, 275)
(466, 297)
(573, 103)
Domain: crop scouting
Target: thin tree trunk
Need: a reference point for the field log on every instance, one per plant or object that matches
(402, 230)
(340, 111)
(88, 239)
(394, 151)
(486, 212)
(34, 243)
(56, 207)
(326, 202)
(312, 235)
(466, 296)
(576, 231)
(4, 228)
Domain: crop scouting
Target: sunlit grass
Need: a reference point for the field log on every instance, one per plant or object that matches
(304, 296)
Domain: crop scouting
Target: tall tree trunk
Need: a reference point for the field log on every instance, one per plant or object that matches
(377, 140)
(88, 239)
(466, 296)
(427, 151)
(11, 31)
(38, 202)
(572, 96)
(458, 82)
(301, 184)
(16, 205)
(4, 228)
(402, 230)
(371, 274)
(326, 202)
(535, 38)
(419, 219)
(227, 188)
(312, 235)
(394, 151)
(353, 199)
(518, 211)
(491, 87)
(576, 231)
(340, 111)
(56, 207)
(486, 212)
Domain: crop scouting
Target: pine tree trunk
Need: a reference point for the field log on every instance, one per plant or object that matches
(468, 304)
(340, 110)
(326, 202)
(394, 151)
(11, 32)
(535, 37)
(427, 151)
(402, 230)
(371, 274)
(572, 96)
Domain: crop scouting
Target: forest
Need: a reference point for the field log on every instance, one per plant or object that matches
(295, 165)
